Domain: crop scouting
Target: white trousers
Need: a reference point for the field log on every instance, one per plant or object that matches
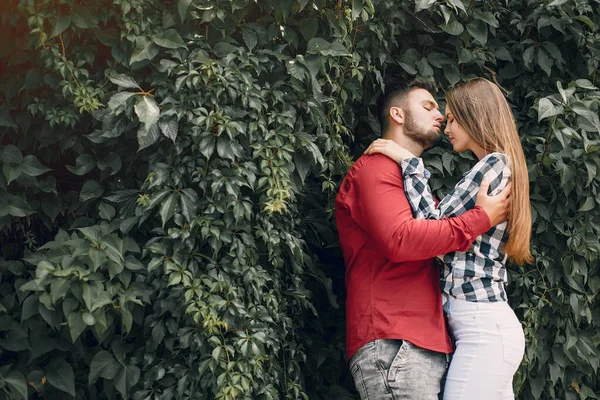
(489, 347)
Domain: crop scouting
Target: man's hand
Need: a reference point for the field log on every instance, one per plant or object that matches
(496, 207)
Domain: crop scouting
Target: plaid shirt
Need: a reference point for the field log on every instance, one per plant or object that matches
(478, 274)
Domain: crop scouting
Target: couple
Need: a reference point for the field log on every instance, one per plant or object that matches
(397, 343)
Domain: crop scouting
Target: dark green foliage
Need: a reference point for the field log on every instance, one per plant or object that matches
(169, 170)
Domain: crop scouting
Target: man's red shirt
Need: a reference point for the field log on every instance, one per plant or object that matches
(392, 278)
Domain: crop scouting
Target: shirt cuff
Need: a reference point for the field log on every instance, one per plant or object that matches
(414, 167)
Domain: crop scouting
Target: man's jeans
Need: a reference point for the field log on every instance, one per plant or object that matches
(397, 369)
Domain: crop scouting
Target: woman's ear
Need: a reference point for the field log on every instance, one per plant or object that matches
(397, 115)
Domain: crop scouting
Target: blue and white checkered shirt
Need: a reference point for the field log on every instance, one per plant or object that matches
(480, 273)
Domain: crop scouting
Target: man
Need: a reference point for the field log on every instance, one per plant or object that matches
(396, 338)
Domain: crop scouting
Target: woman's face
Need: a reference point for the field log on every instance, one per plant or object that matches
(459, 138)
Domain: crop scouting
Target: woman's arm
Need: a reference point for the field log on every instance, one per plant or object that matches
(493, 167)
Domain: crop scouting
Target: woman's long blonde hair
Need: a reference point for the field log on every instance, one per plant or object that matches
(481, 109)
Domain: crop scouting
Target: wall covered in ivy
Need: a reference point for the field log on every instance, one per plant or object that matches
(169, 169)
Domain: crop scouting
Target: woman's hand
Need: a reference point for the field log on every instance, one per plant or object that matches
(389, 148)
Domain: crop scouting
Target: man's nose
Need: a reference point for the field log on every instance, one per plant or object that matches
(439, 117)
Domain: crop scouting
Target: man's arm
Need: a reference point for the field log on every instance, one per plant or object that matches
(380, 207)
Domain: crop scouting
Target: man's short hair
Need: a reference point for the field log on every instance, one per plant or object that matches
(396, 96)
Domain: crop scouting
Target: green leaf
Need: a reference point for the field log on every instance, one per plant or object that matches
(127, 319)
(544, 61)
(32, 167)
(586, 21)
(17, 207)
(591, 171)
(90, 190)
(16, 382)
(61, 23)
(107, 36)
(182, 7)
(51, 206)
(528, 55)
(547, 109)
(169, 128)
(503, 54)
(585, 84)
(113, 246)
(170, 40)
(568, 174)
(148, 137)
(144, 50)
(487, 17)
(11, 172)
(124, 81)
(88, 319)
(249, 38)
(110, 162)
(76, 325)
(106, 211)
(479, 30)
(91, 293)
(308, 28)
(409, 60)
(554, 51)
(119, 100)
(128, 224)
(83, 17)
(167, 208)
(458, 5)
(224, 148)
(147, 110)
(452, 74)
(321, 46)
(103, 366)
(92, 233)
(16, 339)
(464, 55)
(454, 28)
(423, 5)
(312, 62)
(126, 378)
(357, 6)
(58, 289)
(11, 154)
(60, 375)
(133, 264)
(588, 205)
(582, 110)
(83, 164)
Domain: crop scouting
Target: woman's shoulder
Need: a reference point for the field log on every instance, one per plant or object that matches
(495, 157)
(493, 160)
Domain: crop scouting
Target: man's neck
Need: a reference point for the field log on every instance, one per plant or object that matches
(405, 142)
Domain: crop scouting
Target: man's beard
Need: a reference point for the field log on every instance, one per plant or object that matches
(426, 139)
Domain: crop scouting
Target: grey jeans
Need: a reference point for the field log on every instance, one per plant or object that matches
(387, 369)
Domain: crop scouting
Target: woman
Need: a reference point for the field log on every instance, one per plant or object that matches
(489, 338)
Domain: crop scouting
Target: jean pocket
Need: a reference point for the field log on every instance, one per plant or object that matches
(386, 351)
(359, 381)
(513, 343)
(399, 361)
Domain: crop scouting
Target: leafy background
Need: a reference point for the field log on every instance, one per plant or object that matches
(169, 169)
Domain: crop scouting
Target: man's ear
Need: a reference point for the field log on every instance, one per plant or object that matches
(397, 115)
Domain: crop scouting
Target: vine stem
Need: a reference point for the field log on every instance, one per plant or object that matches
(64, 54)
